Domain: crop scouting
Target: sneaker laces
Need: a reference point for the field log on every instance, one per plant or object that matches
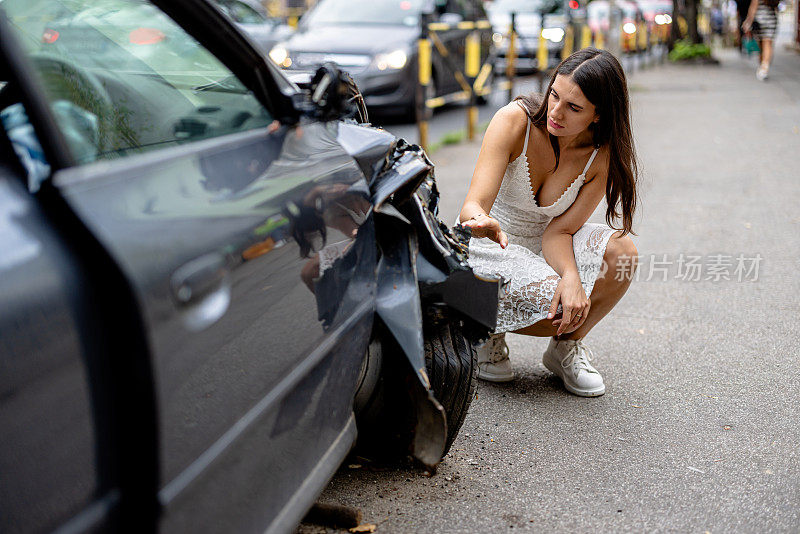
(579, 356)
(499, 350)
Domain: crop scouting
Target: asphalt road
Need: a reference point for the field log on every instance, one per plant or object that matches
(698, 430)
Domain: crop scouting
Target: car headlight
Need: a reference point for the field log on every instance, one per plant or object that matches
(391, 60)
(553, 34)
(659, 19)
(280, 55)
(497, 38)
(629, 28)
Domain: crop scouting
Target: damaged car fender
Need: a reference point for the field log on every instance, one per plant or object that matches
(426, 288)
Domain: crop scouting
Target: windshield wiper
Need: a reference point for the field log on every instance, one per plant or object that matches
(223, 85)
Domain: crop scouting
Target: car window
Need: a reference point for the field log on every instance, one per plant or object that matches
(525, 6)
(393, 12)
(124, 78)
(468, 9)
(241, 12)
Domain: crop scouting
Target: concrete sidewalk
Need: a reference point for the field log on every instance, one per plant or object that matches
(698, 430)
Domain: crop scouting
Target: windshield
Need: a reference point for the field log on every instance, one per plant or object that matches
(115, 36)
(391, 12)
(125, 77)
(524, 6)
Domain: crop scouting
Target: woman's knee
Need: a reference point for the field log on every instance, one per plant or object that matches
(621, 253)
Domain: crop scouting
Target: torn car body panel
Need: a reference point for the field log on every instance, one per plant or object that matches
(423, 274)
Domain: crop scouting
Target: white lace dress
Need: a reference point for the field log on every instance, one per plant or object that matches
(531, 281)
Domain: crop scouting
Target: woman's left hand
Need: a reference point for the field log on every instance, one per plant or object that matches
(747, 25)
(575, 304)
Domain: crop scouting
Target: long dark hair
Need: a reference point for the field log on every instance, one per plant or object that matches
(602, 80)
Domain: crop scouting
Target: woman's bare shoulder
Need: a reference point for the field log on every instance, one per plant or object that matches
(507, 127)
(512, 116)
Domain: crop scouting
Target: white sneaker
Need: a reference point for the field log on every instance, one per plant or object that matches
(493, 362)
(762, 73)
(570, 359)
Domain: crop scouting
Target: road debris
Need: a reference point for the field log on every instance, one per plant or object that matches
(696, 469)
(366, 527)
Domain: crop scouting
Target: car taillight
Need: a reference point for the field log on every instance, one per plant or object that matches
(146, 36)
(50, 36)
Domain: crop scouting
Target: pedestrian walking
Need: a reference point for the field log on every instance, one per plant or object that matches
(742, 7)
(762, 22)
(544, 166)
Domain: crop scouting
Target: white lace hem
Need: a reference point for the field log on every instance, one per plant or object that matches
(531, 281)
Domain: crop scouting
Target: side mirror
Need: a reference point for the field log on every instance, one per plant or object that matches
(334, 95)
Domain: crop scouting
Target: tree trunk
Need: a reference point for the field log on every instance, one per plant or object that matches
(675, 30)
(691, 21)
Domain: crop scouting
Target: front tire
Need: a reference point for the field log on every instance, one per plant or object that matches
(451, 362)
(385, 414)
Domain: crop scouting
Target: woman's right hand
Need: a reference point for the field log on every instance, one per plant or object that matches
(483, 225)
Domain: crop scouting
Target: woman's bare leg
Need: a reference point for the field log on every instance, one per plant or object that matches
(766, 52)
(611, 285)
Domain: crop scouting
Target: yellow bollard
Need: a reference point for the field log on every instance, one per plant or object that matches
(292, 21)
(472, 63)
(423, 134)
(541, 54)
(511, 55)
(425, 69)
(472, 121)
(424, 61)
(641, 34)
(586, 36)
(569, 40)
(599, 40)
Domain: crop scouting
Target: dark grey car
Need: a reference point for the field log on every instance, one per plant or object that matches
(211, 280)
(376, 42)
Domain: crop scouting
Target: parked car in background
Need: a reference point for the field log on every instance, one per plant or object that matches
(211, 279)
(533, 18)
(376, 42)
(251, 17)
(598, 17)
(658, 15)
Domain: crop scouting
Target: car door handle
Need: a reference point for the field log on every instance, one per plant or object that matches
(202, 290)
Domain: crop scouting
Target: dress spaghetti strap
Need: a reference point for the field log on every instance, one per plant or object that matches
(527, 132)
(591, 159)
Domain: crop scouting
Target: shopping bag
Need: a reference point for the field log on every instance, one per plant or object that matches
(750, 45)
